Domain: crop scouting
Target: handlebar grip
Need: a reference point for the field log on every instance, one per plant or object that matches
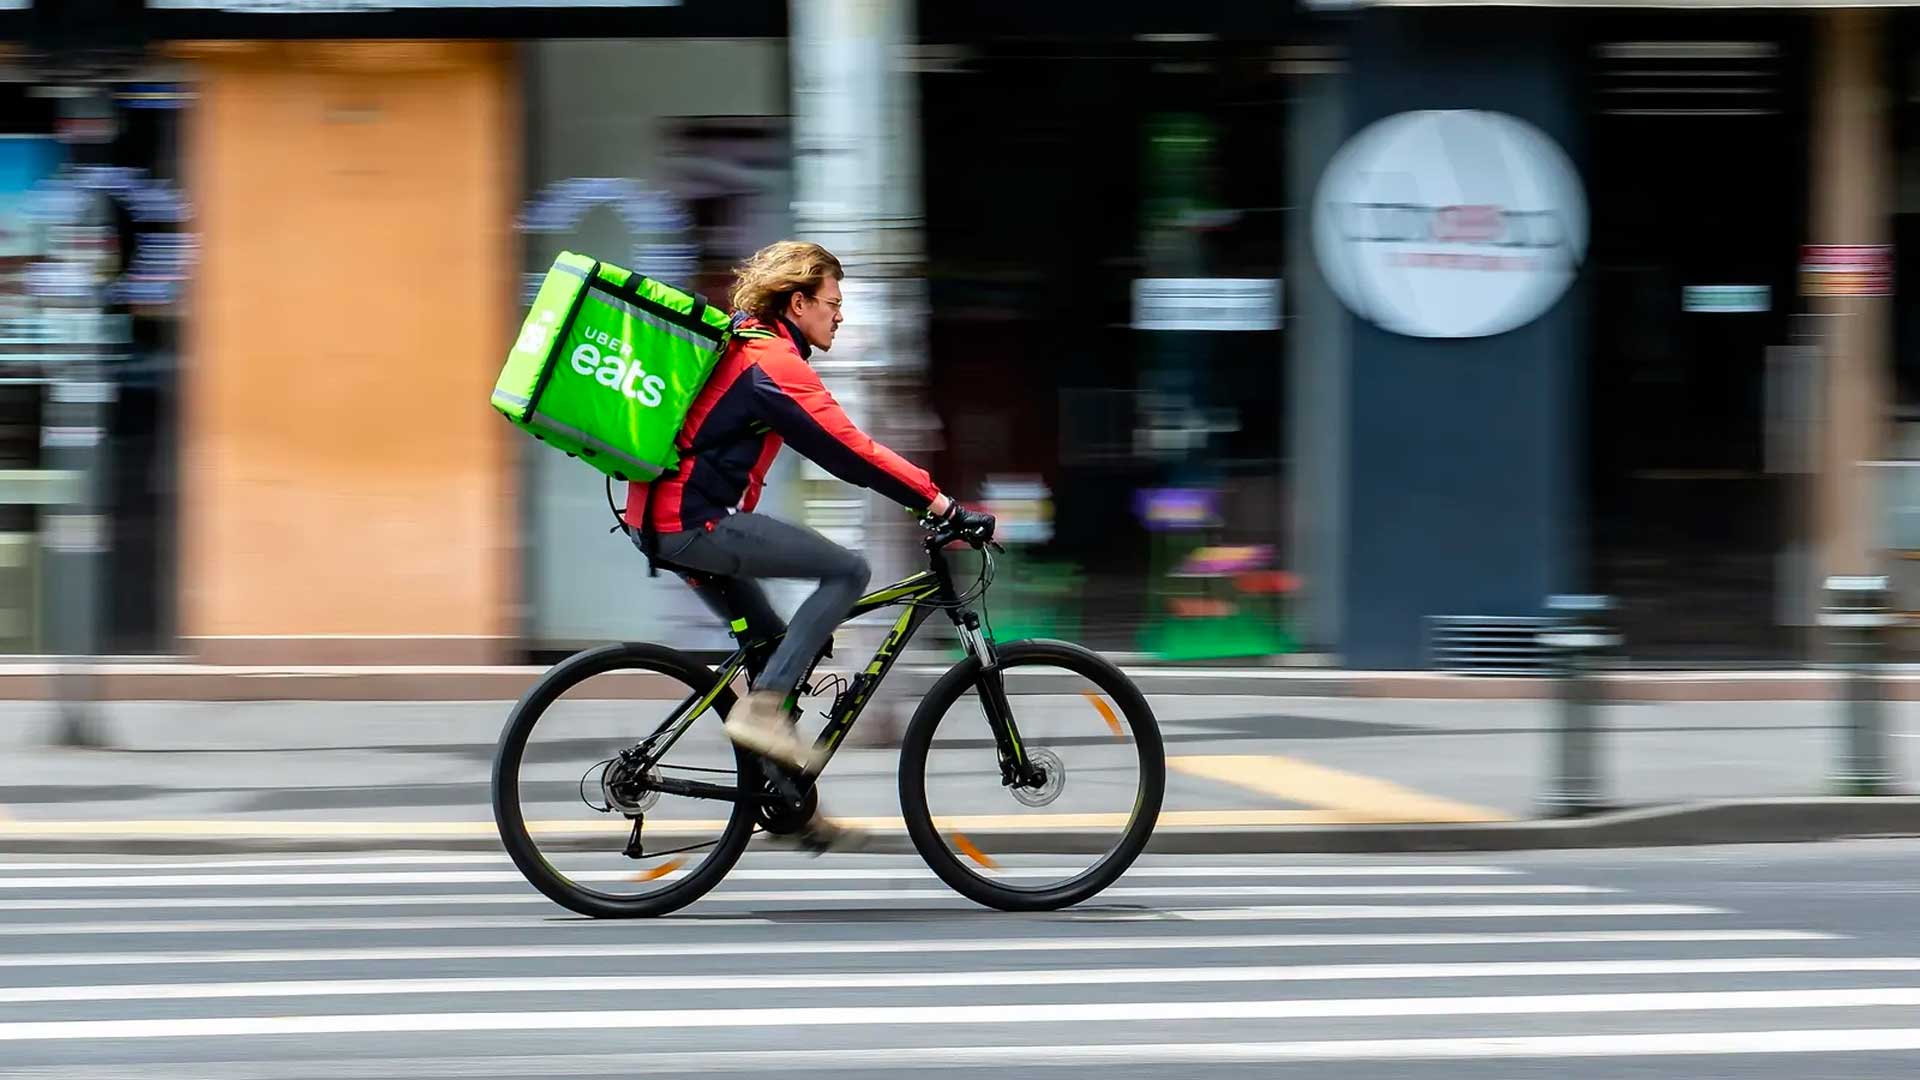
(941, 532)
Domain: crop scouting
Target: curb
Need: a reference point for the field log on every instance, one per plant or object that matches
(1733, 822)
(1756, 821)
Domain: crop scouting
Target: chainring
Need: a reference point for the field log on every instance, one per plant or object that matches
(783, 819)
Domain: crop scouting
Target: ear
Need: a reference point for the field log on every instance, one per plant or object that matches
(793, 304)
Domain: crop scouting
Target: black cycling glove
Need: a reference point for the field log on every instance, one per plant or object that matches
(964, 522)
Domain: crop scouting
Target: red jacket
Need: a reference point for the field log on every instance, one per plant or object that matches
(767, 382)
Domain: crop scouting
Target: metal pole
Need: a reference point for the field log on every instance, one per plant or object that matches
(1857, 618)
(75, 541)
(1575, 784)
(73, 427)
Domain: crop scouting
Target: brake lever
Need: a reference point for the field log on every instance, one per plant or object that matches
(995, 545)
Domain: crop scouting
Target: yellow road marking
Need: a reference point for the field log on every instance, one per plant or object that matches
(1350, 796)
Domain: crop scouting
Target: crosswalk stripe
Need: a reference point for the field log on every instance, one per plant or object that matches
(914, 870)
(409, 923)
(700, 1062)
(1153, 943)
(740, 896)
(1131, 1012)
(1332, 913)
(445, 858)
(195, 903)
(513, 877)
(901, 980)
(696, 1063)
(1410, 911)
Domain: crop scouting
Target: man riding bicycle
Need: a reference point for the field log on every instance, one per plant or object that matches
(699, 522)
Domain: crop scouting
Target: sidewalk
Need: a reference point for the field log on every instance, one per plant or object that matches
(1245, 773)
(185, 681)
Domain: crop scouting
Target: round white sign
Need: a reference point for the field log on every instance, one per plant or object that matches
(1450, 224)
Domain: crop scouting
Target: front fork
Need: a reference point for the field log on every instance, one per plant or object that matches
(1016, 769)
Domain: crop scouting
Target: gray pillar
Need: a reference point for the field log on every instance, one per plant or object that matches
(1852, 205)
(1317, 358)
(858, 193)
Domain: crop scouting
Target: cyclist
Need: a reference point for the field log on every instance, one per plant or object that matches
(763, 394)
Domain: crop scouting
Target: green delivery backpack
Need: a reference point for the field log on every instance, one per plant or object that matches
(607, 364)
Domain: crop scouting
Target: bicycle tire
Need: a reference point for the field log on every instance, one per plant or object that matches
(913, 774)
(510, 819)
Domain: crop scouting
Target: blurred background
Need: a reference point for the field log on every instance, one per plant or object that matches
(1293, 332)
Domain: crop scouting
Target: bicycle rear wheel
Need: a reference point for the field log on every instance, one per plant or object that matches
(565, 802)
(1088, 727)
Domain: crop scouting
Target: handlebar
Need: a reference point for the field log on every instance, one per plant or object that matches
(941, 533)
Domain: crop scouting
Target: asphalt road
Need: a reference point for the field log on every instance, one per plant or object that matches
(1799, 962)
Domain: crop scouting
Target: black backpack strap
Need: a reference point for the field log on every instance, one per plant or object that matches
(650, 533)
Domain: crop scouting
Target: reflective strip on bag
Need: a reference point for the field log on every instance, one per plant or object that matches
(645, 468)
(653, 321)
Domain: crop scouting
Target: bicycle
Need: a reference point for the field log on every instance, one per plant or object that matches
(1070, 698)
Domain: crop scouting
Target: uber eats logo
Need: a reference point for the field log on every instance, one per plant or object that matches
(611, 363)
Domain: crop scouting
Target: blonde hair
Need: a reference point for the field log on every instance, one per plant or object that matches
(764, 283)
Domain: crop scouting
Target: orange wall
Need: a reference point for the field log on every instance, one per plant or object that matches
(344, 474)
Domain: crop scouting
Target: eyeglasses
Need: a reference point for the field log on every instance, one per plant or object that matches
(822, 300)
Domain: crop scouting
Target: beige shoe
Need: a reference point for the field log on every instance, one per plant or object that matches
(762, 724)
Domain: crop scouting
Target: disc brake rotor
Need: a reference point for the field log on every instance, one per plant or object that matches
(1050, 787)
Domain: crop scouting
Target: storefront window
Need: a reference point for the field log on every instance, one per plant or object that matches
(1693, 288)
(96, 243)
(1106, 239)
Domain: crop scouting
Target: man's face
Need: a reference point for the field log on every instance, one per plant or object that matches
(817, 317)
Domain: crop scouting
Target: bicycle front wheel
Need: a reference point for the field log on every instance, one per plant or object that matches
(567, 802)
(1085, 724)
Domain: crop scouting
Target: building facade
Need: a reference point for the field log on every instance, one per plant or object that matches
(1631, 322)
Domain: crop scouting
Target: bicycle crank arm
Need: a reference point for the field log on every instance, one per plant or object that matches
(787, 787)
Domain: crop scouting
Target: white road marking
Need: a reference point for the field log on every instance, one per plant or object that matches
(741, 896)
(907, 865)
(1123, 1012)
(503, 877)
(1337, 912)
(902, 980)
(1410, 911)
(183, 863)
(695, 1063)
(1154, 943)
(408, 923)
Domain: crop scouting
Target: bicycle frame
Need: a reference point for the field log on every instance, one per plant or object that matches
(924, 593)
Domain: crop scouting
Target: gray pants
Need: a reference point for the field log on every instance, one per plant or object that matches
(724, 563)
